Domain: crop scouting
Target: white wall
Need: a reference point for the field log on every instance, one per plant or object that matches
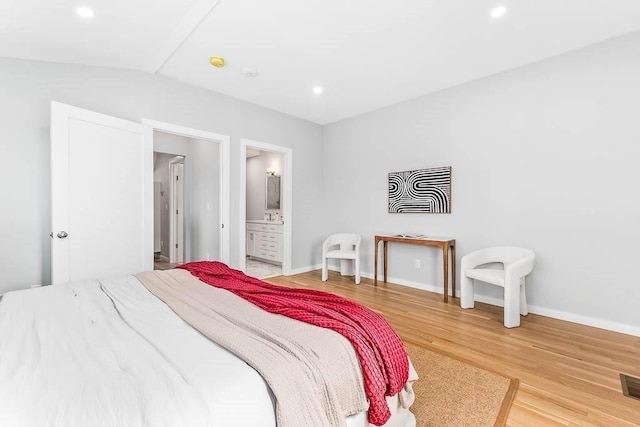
(26, 89)
(256, 183)
(204, 184)
(545, 157)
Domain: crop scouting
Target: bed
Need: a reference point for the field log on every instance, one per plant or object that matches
(114, 352)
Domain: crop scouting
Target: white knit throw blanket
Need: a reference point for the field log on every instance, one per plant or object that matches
(313, 372)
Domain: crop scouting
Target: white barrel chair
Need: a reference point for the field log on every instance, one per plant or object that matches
(517, 262)
(343, 246)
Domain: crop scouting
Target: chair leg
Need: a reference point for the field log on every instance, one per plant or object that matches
(325, 272)
(467, 299)
(356, 267)
(511, 305)
(524, 310)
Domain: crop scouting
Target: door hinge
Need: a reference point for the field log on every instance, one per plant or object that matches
(176, 246)
(177, 178)
(176, 211)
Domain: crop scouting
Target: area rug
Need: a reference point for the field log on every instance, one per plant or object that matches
(454, 392)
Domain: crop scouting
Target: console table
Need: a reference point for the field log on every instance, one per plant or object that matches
(446, 245)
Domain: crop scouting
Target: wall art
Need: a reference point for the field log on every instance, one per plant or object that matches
(420, 191)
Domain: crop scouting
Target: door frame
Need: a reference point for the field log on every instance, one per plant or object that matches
(287, 193)
(224, 142)
(176, 202)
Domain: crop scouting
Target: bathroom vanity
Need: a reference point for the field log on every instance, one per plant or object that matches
(265, 240)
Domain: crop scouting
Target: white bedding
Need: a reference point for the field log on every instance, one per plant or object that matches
(109, 353)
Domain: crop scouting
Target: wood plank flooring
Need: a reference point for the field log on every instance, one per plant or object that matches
(569, 373)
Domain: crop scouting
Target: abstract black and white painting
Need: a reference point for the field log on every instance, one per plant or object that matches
(420, 191)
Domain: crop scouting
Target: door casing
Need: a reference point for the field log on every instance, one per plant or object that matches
(176, 206)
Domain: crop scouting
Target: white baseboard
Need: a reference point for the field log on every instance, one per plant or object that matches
(586, 320)
(569, 317)
(305, 269)
(411, 284)
(533, 309)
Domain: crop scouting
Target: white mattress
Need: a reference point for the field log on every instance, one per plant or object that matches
(109, 353)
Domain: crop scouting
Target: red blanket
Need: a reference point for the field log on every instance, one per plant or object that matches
(385, 366)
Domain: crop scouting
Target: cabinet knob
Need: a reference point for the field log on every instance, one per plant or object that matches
(62, 234)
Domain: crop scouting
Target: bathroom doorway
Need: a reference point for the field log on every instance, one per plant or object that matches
(266, 187)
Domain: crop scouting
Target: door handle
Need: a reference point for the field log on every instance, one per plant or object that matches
(62, 234)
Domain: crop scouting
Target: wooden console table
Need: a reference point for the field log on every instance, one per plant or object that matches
(446, 245)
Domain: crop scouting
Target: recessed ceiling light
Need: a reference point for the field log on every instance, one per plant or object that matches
(217, 61)
(317, 90)
(85, 12)
(498, 12)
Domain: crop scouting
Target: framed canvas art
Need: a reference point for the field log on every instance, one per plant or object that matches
(420, 191)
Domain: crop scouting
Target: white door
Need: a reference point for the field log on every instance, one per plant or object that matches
(101, 195)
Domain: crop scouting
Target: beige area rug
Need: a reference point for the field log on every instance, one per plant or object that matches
(453, 392)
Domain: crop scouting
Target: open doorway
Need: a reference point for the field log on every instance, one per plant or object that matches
(194, 198)
(264, 216)
(265, 209)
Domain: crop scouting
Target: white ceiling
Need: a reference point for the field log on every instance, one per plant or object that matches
(366, 54)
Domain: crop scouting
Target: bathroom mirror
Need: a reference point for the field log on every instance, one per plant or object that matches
(273, 192)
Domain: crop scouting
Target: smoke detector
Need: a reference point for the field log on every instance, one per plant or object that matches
(250, 72)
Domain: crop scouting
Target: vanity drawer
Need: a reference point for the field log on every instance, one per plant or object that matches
(274, 228)
(269, 237)
(269, 228)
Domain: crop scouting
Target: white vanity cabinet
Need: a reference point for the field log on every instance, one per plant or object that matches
(264, 240)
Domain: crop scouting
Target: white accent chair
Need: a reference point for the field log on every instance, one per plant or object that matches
(517, 262)
(343, 246)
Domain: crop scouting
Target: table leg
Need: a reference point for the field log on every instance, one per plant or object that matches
(375, 262)
(453, 270)
(445, 270)
(384, 244)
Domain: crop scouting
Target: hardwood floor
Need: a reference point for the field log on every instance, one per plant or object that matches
(569, 373)
(162, 263)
